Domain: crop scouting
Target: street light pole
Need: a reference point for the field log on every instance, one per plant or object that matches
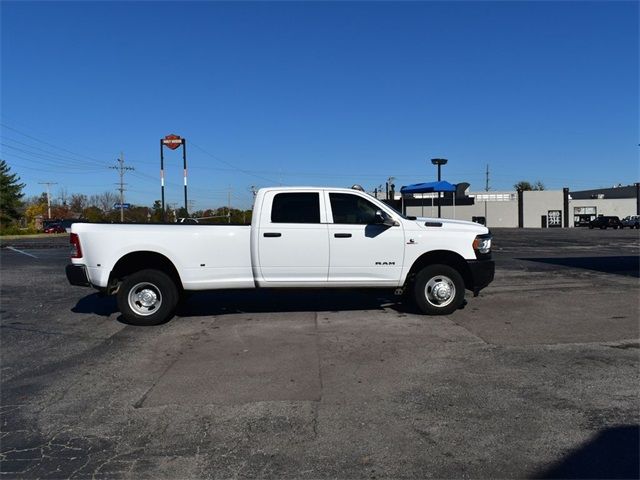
(439, 162)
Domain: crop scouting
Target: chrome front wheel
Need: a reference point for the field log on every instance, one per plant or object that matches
(440, 291)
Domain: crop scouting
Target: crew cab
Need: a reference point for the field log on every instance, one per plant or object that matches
(298, 238)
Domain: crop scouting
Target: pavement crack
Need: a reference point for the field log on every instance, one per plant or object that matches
(140, 402)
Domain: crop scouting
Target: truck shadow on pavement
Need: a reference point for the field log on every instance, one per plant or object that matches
(611, 453)
(270, 301)
(96, 304)
(619, 265)
(222, 302)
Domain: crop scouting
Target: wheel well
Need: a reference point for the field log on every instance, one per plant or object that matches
(442, 257)
(136, 261)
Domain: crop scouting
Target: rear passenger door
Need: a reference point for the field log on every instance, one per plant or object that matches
(293, 238)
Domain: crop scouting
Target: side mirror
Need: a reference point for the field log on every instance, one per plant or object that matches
(383, 219)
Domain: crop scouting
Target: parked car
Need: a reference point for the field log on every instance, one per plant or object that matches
(603, 222)
(298, 238)
(632, 221)
(55, 228)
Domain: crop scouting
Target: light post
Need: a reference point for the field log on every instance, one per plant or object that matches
(439, 162)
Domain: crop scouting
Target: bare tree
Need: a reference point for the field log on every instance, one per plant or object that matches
(94, 200)
(78, 203)
(106, 201)
(63, 195)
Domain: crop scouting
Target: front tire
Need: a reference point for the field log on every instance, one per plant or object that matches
(147, 297)
(438, 290)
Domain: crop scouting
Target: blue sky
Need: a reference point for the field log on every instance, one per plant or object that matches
(319, 93)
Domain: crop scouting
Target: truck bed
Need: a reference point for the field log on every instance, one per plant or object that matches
(208, 256)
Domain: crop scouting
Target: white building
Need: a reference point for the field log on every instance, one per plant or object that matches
(528, 209)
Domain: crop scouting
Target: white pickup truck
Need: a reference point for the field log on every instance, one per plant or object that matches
(299, 237)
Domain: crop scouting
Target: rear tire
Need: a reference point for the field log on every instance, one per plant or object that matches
(438, 290)
(147, 297)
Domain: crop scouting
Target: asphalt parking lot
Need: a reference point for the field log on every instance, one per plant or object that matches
(537, 377)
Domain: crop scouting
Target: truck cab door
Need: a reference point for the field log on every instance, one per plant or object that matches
(362, 251)
(293, 243)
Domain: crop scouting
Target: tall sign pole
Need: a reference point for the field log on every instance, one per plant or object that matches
(184, 164)
(162, 176)
(172, 142)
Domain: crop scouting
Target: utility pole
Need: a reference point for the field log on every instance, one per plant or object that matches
(439, 162)
(229, 206)
(388, 184)
(121, 168)
(48, 184)
(486, 199)
(486, 184)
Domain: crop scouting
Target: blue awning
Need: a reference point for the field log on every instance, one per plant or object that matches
(428, 187)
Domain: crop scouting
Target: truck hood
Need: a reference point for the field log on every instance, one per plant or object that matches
(448, 224)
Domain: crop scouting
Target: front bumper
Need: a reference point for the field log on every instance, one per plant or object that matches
(77, 275)
(482, 273)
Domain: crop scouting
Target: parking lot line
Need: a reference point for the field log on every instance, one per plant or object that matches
(20, 251)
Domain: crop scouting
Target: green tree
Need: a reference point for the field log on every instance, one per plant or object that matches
(10, 194)
(182, 213)
(93, 214)
(35, 210)
(156, 212)
(538, 185)
(136, 214)
(525, 186)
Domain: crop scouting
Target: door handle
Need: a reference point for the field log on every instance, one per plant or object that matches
(342, 235)
(272, 234)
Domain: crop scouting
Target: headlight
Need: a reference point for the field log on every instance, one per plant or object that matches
(482, 244)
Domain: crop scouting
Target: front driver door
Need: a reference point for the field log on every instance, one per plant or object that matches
(361, 250)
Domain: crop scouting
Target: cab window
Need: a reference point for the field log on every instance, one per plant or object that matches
(352, 209)
(296, 208)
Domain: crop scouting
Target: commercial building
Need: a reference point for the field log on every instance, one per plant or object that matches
(526, 209)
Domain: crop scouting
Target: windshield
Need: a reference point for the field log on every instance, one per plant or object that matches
(390, 207)
(396, 211)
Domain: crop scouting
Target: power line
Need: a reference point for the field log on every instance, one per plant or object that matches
(44, 168)
(47, 152)
(49, 159)
(49, 144)
(246, 172)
